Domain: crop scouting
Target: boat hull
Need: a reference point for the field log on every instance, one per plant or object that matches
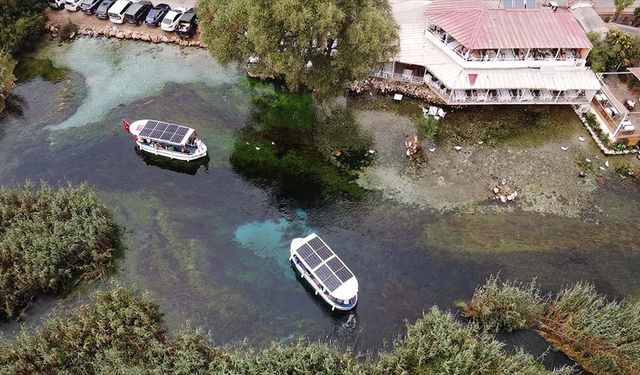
(200, 153)
(325, 297)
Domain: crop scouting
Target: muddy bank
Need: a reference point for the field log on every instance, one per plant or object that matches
(546, 176)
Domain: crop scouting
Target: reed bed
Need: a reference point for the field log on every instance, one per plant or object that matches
(118, 332)
(601, 335)
(50, 238)
(506, 305)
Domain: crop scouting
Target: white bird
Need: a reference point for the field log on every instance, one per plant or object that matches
(273, 143)
(457, 148)
(432, 150)
(480, 142)
(372, 151)
(588, 161)
(606, 163)
(258, 148)
(602, 168)
(581, 138)
(564, 148)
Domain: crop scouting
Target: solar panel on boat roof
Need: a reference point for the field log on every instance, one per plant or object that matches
(313, 260)
(172, 128)
(323, 272)
(335, 264)
(146, 131)
(332, 283)
(150, 125)
(156, 134)
(344, 274)
(305, 250)
(162, 126)
(316, 243)
(324, 253)
(177, 138)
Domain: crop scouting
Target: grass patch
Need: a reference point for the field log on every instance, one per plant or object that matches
(505, 306)
(119, 332)
(29, 68)
(50, 238)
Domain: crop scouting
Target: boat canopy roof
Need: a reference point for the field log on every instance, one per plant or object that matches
(160, 131)
(326, 266)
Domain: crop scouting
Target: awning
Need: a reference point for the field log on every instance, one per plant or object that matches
(635, 72)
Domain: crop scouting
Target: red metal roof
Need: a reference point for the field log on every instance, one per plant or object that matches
(635, 72)
(477, 26)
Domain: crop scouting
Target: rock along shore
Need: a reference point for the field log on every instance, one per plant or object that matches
(112, 31)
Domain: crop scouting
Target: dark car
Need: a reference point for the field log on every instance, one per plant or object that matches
(103, 10)
(137, 12)
(156, 14)
(90, 6)
(187, 24)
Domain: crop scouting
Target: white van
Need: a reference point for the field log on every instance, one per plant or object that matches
(72, 5)
(118, 9)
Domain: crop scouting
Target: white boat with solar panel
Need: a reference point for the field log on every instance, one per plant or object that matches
(325, 272)
(165, 139)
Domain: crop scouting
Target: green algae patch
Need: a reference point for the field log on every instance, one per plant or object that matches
(524, 231)
(507, 125)
(517, 126)
(29, 67)
(284, 147)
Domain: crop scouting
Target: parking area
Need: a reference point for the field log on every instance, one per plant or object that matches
(86, 21)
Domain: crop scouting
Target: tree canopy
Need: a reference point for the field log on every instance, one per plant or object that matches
(317, 44)
(21, 24)
(615, 50)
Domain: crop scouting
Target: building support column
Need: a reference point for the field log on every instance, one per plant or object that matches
(527, 55)
(558, 96)
(557, 53)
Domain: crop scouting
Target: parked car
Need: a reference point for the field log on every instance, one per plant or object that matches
(103, 10)
(72, 5)
(117, 11)
(156, 14)
(170, 21)
(90, 6)
(137, 12)
(187, 24)
(56, 4)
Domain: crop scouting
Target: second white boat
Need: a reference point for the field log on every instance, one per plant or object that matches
(325, 272)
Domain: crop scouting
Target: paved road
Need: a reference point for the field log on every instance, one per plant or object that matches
(177, 3)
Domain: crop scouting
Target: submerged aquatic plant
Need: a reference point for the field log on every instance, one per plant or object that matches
(505, 306)
(48, 238)
(285, 148)
(119, 332)
(603, 336)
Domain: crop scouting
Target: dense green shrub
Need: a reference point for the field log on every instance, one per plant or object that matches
(120, 333)
(603, 336)
(614, 51)
(505, 306)
(67, 31)
(427, 128)
(48, 237)
(21, 24)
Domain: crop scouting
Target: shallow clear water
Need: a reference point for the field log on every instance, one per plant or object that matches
(211, 246)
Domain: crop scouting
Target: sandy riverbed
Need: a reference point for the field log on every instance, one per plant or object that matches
(545, 176)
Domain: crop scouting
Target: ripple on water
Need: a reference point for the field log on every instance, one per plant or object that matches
(117, 72)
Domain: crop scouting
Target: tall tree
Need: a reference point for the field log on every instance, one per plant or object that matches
(615, 50)
(317, 44)
(6, 77)
(620, 6)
